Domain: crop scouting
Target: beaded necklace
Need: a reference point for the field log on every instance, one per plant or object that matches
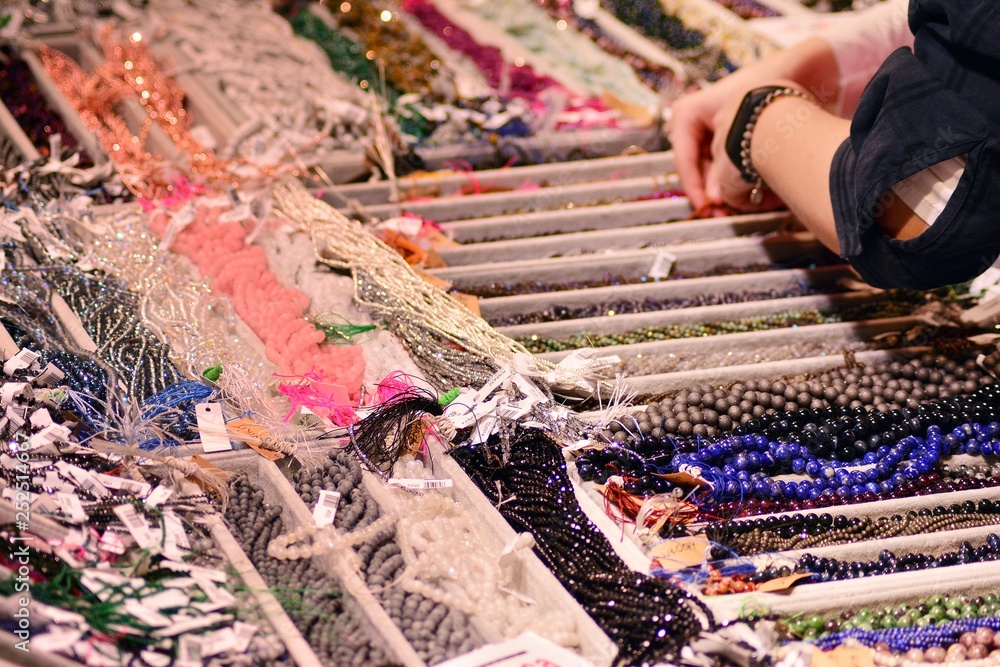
(649, 620)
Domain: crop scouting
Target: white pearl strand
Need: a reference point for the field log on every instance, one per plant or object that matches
(325, 540)
(295, 100)
(448, 561)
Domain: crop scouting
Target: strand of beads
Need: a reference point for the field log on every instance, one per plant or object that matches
(497, 289)
(748, 9)
(708, 411)
(434, 623)
(558, 312)
(654, 75)
(299, 109)
(768, 534)
(789, 319)
(650, 18)
(19, 92)
(274, 312)
(311, 598)
(917, 638)
(649, 620)
(589, 68)
(926, 612)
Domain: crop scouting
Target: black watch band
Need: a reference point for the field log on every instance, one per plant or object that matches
(734, 140)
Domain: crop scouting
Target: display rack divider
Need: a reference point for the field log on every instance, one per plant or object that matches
(503, 203)
(77, 48)
(279, 492)
(545, 175)
(822, 278)
(702, 314)
(588, 218)
(636, 265)
(13, 131)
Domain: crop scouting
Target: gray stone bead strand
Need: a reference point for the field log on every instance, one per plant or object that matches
(436, 632)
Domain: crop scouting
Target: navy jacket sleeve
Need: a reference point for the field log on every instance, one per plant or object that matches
(939, 101)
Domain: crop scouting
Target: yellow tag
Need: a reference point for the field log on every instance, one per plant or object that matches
(252, 431)
(680, 553)
(782, 583)
(434, 260)
(843, 657)
(211, 468)
(439, 240)
(683, 479)
(469, 301)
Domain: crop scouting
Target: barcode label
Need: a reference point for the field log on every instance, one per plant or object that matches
(158, 495)
(140, 489)
(189, 651)
(50, 376)
(16, 416)
(23, 359)
(326, 508)
(512, 412)
(410, 483)
(71, 506)
(212, 427)
(136, 525)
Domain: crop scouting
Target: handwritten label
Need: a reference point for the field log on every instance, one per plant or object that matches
(684, 552)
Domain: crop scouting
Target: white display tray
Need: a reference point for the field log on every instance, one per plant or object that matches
(453, 183)
(663, 235)
(508, 203)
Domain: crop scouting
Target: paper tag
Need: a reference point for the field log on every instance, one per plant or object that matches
(782, 583)
(420, 484)
(170, 598)
(57, 639)
(50, 376)
(526, 650)
(469, 301)
(580, 444)
(684, 552)
(683, 479)
(220, 641)
(112, 543)
(12, 391)
(23, 359)
(662, 265)
(237, 214)
(137, 526)
(71, 506)
(843, 656)
(154, 659)
(139, 489)
(215, 594)
(185, 624)
(158, 495)
(483, 429)
(326, 508)
(8, 348)
(148, 616)
(189, 652)
(441, 284)
(40, 418)
(530, 389)
(212, 427)
(245, 633)
(83, 479)
(498, 378)
(404, 224)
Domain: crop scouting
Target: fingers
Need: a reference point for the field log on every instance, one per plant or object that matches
(687, 138)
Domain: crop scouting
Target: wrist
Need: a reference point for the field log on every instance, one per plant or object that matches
(740, 138)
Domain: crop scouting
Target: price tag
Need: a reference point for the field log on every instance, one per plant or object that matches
(683, 479)
(420, 484)
(40, 418)
(244, 634)
(50, 376)
(662, 265)
(158, 495)
(843, 657)
(189, 652)
(326, 508)
(71, 506)
(140, 489)
(170, 598)
(112, 543)
(782, 583)
(8, 348)
(404, 224)
(212, 427)
(137, 526)
(23, 359)
(526, 650)
(220, 641)
(673, 555)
